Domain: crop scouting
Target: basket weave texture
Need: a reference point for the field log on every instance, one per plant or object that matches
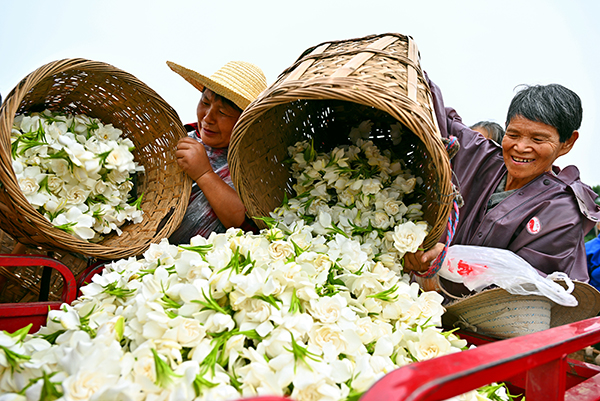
(22, 283)
(331, 88)
(99, 90)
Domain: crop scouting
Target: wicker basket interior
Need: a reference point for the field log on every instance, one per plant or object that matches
(330, 89)
(99, 90)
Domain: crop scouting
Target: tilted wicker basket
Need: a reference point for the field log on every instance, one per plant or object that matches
(332, 87)
(99, 90)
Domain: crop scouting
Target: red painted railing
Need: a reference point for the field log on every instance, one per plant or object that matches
(537, 362)
(14, 316)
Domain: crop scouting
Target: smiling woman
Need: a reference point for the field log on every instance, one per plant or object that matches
(214, 204)
(514, 196)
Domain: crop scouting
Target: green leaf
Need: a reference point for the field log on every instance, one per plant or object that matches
(269, 221)
(200, 384)
(164, 373)
(386, 294)
(114, 290)
(51, 338)
(201, 249)
(169, 303)
(21, 333)
(67, 227)
(62, 154)
(301, 354)
(14, 359)
(295, 304)
(50, 391)
(270, 299)
(138, 202)
(211, 303)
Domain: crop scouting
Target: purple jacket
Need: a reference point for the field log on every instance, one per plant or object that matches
(544, 222)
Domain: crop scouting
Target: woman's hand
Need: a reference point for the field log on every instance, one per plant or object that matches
(421, 260)
(192, 158)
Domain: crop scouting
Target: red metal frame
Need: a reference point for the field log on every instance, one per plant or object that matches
(538, 361)
(86, 276)
(14, 316)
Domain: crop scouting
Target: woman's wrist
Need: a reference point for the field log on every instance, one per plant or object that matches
(205, 177)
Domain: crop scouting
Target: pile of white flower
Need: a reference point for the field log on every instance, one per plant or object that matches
(315, 307)
(75, 171)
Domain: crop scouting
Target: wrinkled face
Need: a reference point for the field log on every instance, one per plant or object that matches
(216, 119)
(530, 148)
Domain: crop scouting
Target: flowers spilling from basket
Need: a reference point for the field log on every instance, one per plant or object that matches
(315, 307)
(76, 171)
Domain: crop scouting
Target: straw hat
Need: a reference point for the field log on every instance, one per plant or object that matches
(498, 313)
(238, 81)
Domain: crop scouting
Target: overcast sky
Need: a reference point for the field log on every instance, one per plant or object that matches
(477, 51)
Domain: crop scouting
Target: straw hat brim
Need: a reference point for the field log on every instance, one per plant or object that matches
(498, 313)
(201, 82)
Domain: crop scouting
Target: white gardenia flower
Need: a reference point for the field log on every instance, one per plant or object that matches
(75, 195)
(430, 345)
(76, 222)
(120, 159)
(371, 186)
(29, 185)
(281, 250)
(330, 310)
(409, 236)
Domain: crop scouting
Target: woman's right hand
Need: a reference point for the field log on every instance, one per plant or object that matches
(192, 158)
(420, 261)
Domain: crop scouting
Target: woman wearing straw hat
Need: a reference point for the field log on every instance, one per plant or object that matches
(214, 204)
(515, 198)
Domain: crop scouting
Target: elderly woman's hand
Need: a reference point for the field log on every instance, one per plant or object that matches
(192, 158)
(421, 260)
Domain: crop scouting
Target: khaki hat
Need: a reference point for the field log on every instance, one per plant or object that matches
(498, 313)
(238, 81)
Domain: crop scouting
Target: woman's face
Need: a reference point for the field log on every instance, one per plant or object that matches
(530, 148)
(216, 119)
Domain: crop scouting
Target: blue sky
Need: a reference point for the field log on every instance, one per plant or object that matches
(478, 52)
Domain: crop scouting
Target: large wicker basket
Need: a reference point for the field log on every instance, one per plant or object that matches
(114, 96)
(332, 87)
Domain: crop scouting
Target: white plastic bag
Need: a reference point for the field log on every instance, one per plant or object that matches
(479, 267)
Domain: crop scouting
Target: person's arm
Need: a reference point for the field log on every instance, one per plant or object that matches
(224, 200)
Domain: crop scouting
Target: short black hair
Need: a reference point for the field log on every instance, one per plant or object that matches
(496, 131)
(552, 104)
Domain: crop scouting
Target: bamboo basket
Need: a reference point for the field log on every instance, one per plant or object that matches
(330, 88)
(22, 284)
(80, 86)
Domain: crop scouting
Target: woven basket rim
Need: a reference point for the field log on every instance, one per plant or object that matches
(11, 106)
